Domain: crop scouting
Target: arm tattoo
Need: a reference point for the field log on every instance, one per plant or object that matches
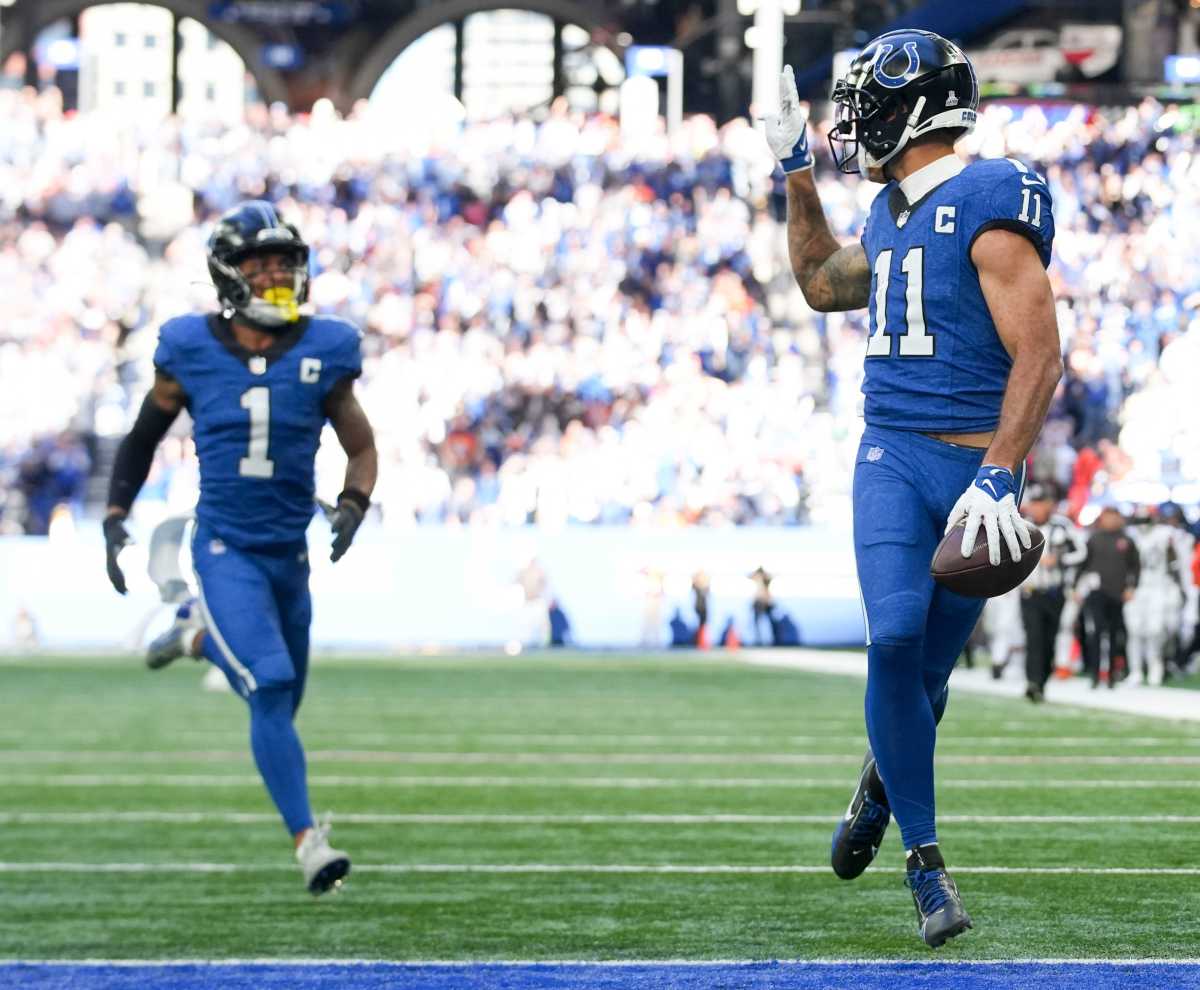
(830, 276)
(843, 281)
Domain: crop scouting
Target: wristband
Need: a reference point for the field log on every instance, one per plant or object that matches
(357, 498)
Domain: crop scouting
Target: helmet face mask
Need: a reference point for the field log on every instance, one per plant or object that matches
(865, 127)
(902, 85)
(252, 230)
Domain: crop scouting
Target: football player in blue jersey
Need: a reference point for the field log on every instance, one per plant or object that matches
(962, 359)
(260, 380)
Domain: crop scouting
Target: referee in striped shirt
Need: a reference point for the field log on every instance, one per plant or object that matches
(1044, 593)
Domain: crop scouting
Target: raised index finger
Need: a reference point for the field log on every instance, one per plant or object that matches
(789, 98)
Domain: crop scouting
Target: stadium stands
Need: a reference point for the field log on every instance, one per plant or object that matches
(561, 326)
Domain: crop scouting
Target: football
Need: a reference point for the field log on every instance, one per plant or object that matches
(975, 576)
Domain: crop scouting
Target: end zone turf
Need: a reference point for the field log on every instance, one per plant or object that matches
(809, 975)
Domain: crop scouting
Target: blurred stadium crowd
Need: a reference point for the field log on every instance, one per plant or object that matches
(563, 323)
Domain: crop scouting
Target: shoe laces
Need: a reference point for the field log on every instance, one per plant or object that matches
(872, 817)
(932, 888)
(318, 835)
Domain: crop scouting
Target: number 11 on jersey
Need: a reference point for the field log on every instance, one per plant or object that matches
(915, 341)
(257, 402)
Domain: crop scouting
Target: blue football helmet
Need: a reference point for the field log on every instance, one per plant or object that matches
(249, 229)
(903, 85)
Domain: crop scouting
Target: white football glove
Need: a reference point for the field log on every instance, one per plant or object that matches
(992, 501)
(787, 131)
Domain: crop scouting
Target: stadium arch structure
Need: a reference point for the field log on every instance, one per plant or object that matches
(376, 60)
(26, 18)
(346, 68)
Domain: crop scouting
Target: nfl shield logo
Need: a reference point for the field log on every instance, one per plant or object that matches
(874, 453)
(258, 365)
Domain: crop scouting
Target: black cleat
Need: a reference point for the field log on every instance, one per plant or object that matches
(940, 911)
(858, 835)
(329, 877)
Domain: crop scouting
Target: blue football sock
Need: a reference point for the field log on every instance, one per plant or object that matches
(279, 755)
(900, 724)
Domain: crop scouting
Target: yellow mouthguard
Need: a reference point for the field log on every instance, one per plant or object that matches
(284, 299)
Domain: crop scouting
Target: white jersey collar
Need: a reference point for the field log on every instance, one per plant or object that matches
(924, 180)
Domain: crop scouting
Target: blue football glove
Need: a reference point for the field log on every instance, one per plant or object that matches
(787, 131)
(992, 501)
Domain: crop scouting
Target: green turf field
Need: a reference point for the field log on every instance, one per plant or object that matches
(659, 797)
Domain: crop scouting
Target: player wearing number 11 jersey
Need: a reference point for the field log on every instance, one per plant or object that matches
(962, 360)
(260, 381)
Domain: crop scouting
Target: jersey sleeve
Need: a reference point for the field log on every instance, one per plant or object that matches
(1020, 201)
(165, 356)
(344, 359)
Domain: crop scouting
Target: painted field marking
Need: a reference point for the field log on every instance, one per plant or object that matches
(375, 757)
(616, 783)
(617, 963)
(385, 818)
(848, 731)
(594, 868)
(1029, 735)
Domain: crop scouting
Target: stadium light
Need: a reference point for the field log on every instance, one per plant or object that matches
(1182, 68)
(650, 61)
(63, 53)
(768, 54)
(748, 8)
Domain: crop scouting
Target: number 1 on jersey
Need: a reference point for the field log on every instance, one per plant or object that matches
(915, 341)
(257, 402)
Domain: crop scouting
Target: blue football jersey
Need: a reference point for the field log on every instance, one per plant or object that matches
(257, 419)
(934, 360)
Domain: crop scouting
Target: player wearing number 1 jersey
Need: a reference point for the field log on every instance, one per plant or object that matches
(962, 360)
(260, 381)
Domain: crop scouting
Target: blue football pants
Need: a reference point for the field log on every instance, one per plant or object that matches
(905, 485)
(257, 611)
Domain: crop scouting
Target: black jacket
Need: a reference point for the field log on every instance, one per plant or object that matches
(1113, 557)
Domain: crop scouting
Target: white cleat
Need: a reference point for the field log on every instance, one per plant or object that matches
(324, 867)
(177, 641)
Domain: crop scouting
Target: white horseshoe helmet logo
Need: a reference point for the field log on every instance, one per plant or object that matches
(895, 82)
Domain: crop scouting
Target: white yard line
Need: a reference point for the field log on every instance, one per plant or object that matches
(466, 759)
(1031, 733)
(597, 868)
(616, 783)
(385, 818)
(1177, 704)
